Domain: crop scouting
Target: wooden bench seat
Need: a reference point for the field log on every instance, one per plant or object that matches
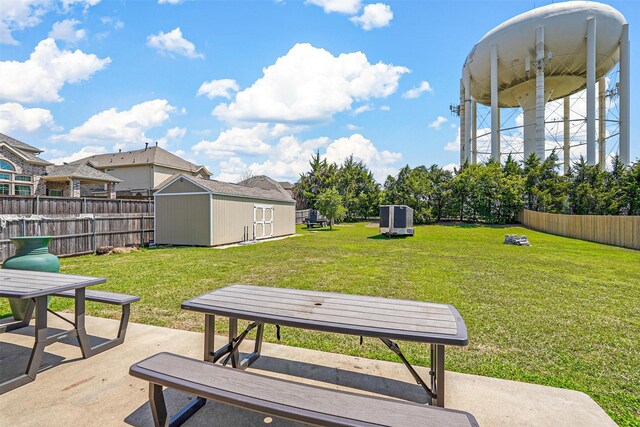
(281, 398)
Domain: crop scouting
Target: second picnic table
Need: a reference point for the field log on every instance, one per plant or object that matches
(383, 318)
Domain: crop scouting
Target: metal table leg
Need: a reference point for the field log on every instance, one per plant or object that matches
(11, 324)
(83, 339)
(437, 374)
(41, 341)
(209, 336)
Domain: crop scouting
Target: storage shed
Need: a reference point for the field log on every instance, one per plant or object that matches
(200, 212)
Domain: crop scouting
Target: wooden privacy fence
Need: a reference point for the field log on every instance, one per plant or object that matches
(618, 230)
(79, 235)
(302, 215)
(45, 205)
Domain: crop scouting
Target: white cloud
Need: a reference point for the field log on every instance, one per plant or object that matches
(16, 15)
(451, 167)
(348, 7)
(417, 91)
(236, 140)
(173, 43)
(309, 84)
(123, 128)
(375, 15)
(66, 31)
(170, 1)
(363, 108)
(114, 22)
(353, 127)
(67, 4)
(285, 161)
(385, 108)
(171, 135)
(14, 117)
(438, 122)
(454, 145)
(381, 163)
(41, 77)
(215, 88)
(232, 170)
(89, 150)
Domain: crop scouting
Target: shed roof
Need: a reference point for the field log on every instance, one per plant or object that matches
(146, 156)
(227, 188)
(79, 172)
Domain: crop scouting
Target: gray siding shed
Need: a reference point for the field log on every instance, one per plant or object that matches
(199, 212)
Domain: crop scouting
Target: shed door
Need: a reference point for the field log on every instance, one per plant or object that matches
(262, 221)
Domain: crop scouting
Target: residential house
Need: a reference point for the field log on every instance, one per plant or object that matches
(23, 173)
(140, 171)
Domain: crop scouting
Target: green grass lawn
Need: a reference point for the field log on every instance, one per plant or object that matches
(563, 312)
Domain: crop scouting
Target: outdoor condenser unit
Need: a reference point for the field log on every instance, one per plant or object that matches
(396, 220)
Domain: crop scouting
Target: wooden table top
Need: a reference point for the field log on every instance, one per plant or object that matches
(334, 312)
(30, 284)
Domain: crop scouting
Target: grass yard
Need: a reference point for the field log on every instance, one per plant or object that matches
(563, 312)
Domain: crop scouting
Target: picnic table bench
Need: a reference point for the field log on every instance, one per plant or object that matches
(35, 287)
(383, 318)
(280, 398)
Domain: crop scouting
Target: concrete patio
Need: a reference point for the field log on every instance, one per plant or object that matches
(98, 391)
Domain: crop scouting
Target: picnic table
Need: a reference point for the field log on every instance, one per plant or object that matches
(383, 318)
(36, 287)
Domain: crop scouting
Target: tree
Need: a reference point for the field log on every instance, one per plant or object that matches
(321, 177)
(330, 204)
(358, 188)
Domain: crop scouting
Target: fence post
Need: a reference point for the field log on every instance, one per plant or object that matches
(84, 205)
(94, 234)
(37, 205)
(120, 206)
(142, 230)
(23, 227)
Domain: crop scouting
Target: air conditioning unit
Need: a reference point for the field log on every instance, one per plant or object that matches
(396, 220)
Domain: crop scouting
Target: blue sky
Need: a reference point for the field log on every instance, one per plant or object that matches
(248, 86)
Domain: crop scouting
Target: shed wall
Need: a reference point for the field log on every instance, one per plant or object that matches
(232, 214)
(181, 187)
(183, 220)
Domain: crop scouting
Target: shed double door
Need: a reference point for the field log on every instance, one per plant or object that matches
(262, 221)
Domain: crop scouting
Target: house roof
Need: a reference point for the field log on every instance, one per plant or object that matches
(286, 185)
(79, 172)
(28, 156)
(147, 156)
(266, 183)
(227, 188)
(12, 142)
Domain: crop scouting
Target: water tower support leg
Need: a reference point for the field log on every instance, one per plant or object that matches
(566, 134)
(602, 115)
(474, 132)
(467, 117)
(462, 123)
(540, 98)
(624, 93)
(591, 91)
(495, 117)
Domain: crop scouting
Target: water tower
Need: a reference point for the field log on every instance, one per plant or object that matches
(548, 54)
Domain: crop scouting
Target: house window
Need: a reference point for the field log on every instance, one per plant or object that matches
(4, 188)
(5, 176)
(23, 190)
(54, 193)
(24, 178)
(6, 166)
